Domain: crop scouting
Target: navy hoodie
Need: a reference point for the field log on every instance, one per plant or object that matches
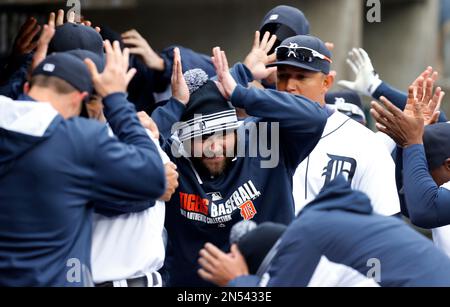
(51, 172)
(204, 209)
(341, 226)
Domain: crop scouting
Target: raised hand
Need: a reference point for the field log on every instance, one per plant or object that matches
(58, 19)
(258, 57)
(422, 92)
(367, 80)
(180, 90)
(25, 41)
(116, 76)
(140, 47)
(225, 82)
(405, 129)
(42, 46)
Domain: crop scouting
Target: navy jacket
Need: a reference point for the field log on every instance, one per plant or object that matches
(341, 226)
(49, 182)
(204, 209)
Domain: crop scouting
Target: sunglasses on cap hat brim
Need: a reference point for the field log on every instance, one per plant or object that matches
(302, 54)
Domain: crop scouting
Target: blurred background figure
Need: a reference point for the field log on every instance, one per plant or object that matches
(445, 28)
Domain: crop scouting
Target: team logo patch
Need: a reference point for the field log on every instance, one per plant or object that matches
(248, 210)
(274, 17)
(339, 165)
(49, 67)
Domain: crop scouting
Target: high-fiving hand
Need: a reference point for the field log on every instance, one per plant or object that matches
(258, 57)
(180, 90)
(406, 128)
(116, 76)
(140, 47)
(25, 41)
(226, 82)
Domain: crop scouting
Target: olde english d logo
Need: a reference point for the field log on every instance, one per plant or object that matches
(339, 165)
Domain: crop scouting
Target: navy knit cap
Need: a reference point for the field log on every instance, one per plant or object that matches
(66, 67)
(207, 111)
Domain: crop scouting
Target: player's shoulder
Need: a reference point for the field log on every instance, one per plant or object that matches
(340, 124)
(84, 128)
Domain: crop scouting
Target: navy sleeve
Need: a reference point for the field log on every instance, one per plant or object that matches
(13, 86)
(301, 121)
(167, 115)
(131, 168)
(295, 262)
(398, 98)
(241, 74)
(428, 205)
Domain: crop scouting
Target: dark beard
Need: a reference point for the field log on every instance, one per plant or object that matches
(206, 171)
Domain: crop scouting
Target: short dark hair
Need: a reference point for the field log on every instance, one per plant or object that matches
(57, 84)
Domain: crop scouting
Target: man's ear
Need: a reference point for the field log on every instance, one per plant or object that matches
(447, 164)
(26, 88)
(328, 82)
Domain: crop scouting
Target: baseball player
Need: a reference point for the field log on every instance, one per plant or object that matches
(426, 164)
(346, 146)
(66, 164)
(217, 190)
(336, 241)
(128, 250)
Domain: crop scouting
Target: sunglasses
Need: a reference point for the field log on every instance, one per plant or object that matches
(302, 54)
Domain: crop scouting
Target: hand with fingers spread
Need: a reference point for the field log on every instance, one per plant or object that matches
(258, 57)
(116, 76)
(42, 45)
(58, 19)
(140, 47)
(25, 41)
(220, 268)
(180, 89)
(226, 82)
(405, 129)
(367, 80)
(422, 92)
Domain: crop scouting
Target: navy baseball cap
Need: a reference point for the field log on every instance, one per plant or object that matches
(86, 54)
(304, 51)
(285, 21)
(437, 145)
(66, 67)
(348, 103)
(72, 36)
